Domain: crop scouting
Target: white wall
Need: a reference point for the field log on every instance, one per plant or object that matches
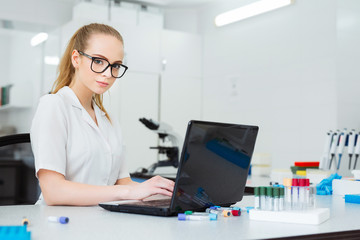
(348, 62)
(276, 70)
(185, 20)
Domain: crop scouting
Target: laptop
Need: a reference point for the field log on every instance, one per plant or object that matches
(213, 169)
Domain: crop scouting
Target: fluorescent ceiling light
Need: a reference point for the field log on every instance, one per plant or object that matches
(38, 38)
(250, 10)
(51, 60)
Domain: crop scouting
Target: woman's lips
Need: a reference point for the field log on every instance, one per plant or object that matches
(102, 84)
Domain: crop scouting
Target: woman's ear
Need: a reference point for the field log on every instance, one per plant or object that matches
(75, 58)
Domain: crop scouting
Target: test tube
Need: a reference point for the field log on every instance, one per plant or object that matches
(276, 193)
(228, 211)
(269, 199)
(288, 199)
(295, 193)
(262, 198)
(281, 199)
(307, 193)
(219, 211)
(312, 196)
(184, 217)
(257, 197)
(302, 193)
(62, 220)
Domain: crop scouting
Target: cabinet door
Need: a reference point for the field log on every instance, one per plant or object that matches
(132, 97)
(182, 53)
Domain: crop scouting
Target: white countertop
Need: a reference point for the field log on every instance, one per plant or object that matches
(97, 223)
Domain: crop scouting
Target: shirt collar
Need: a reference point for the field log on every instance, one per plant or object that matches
(71, 97)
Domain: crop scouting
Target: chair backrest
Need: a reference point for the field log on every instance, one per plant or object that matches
(14, 139)
(17, 179)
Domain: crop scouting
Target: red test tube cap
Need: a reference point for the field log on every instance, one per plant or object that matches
(295, 182)
(236, 212)
(302, 182)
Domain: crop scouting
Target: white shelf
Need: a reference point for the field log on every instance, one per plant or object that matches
(9, 107)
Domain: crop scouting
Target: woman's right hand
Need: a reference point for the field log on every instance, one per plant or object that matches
(155, 185)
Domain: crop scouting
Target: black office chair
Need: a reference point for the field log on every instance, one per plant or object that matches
(14, 139)
(18, 183)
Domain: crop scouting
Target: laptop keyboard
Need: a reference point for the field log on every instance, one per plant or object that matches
(152, 203)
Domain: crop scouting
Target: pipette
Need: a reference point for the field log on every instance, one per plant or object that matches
(341, 146)
(324, 163)
(351, 144)
(357, 149)
(334, 143)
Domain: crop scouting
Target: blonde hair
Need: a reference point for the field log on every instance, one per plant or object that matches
(79, 41)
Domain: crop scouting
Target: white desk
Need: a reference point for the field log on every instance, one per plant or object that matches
(97, 223)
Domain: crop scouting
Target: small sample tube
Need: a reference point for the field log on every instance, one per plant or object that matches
(288, 197)
(262, 198)
(228, 211)
(219, 211)
(257, 197)
(307, 193)
(62, 220)
(312, 196)
(281, 199)
(186, 217)
(276, 194)
(295, 193)
(269, 199)
(302, 193)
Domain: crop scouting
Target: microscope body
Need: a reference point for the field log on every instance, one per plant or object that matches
(170, 147)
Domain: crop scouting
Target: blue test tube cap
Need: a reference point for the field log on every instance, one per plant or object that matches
(182, 216)
(63, 220)
(213, 216)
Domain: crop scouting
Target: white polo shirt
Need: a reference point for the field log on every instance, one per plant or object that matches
(65, 139)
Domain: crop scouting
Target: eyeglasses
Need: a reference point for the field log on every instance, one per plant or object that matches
(98, 65)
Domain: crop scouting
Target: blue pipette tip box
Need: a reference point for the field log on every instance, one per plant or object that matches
(352, 198)
(14, 233)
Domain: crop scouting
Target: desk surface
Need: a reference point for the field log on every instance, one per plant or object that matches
(97, 223)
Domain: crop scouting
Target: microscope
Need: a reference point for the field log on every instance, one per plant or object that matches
(166, 136)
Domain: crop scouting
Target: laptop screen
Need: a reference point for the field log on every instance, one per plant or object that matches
(215, 164)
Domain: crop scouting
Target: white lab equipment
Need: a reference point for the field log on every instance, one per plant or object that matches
(334, 143)
(341, 146)
(357, 150)
(351, 144)
(324, 163)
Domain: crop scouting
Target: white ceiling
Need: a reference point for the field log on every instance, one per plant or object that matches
(13, 18)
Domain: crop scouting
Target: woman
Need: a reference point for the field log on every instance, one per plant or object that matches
(77, 146)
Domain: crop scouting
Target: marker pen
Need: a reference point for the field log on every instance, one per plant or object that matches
(62, 220)
(257, 197)
(185, 217)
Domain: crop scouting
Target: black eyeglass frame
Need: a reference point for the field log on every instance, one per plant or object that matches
(111, 65)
